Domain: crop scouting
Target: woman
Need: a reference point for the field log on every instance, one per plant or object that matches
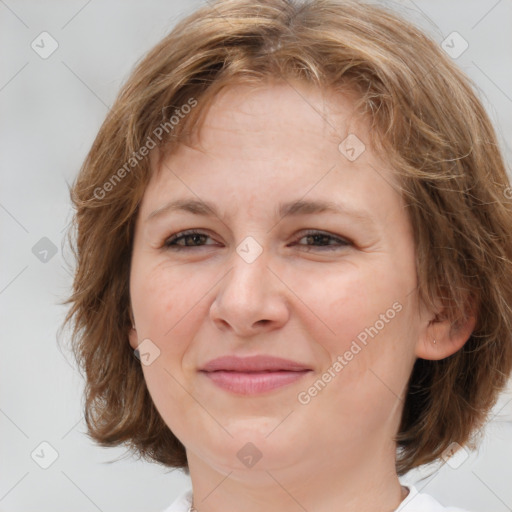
(294, 259)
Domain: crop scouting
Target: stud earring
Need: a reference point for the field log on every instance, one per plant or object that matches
(434, 341)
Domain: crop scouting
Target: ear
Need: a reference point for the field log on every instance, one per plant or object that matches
(132, 334)
(133, 338)
(449, 338)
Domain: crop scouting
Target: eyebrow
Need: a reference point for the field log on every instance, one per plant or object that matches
(297, 207)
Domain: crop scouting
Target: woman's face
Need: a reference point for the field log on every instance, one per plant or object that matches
(341, 303)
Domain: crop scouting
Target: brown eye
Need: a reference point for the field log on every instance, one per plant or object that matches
(194, 237)
(325, 241)
(316, 239)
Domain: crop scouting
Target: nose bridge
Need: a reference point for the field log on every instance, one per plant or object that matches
(249, 293)
(249, 268)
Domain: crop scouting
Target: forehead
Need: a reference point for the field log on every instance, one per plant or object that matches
(267, 139)
(264, 110)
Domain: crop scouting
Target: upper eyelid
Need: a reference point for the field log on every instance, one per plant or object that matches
(307, 232)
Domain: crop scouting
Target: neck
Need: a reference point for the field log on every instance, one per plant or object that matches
(324, 485)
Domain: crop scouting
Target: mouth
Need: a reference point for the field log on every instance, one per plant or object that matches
(253, 375)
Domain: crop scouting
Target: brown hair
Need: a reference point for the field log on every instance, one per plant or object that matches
(425, 119)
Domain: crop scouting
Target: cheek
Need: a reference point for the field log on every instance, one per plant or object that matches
(366, 314)
(163, 299)
(152, 301)
(352, 299)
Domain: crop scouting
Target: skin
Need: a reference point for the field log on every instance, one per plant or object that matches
(298, 300)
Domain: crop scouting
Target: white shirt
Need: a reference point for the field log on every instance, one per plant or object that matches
(415, 502)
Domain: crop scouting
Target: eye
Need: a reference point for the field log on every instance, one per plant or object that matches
(324, 240)
(192, 235)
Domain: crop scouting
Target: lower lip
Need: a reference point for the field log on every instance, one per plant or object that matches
(249, 383)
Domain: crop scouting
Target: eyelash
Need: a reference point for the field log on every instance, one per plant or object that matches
(170, 243)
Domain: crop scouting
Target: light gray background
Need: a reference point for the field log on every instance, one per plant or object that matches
(50, 111)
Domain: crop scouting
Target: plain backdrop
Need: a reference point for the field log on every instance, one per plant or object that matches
(50, 111)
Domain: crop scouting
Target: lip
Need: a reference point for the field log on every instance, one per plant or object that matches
(255, 374)
(259, 363)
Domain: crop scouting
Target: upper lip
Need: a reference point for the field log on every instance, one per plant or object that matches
(253, 364)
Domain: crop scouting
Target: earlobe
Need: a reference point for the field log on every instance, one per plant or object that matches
(132, 335)
(133, 338)
(441, 339)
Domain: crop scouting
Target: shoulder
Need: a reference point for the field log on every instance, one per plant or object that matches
(181, 503)
(420, 502)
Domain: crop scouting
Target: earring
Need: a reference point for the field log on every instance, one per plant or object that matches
(133, 327)
(434, 341)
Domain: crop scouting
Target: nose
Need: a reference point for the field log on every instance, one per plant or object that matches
(250, 298)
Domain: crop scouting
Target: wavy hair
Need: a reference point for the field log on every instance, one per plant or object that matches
(426, 120)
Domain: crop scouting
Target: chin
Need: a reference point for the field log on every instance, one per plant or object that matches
(251, 456)
(256, 445)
